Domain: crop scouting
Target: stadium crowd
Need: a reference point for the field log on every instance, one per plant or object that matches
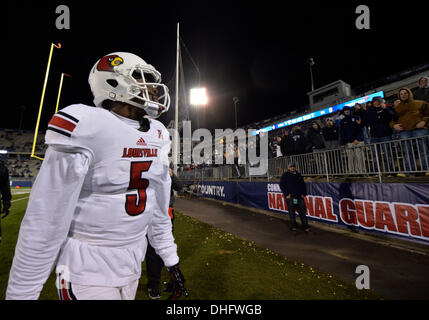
(352, 128)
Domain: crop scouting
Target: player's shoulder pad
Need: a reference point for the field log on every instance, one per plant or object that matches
(74, 124)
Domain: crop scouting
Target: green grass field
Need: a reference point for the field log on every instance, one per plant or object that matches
(216, 265)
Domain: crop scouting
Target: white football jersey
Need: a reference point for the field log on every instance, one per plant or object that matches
(102, 187)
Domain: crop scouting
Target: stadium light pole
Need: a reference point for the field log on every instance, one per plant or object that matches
(176, 109)
(311, 63)
(236, 101)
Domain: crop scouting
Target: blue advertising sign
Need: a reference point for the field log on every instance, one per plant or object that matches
(320, 113)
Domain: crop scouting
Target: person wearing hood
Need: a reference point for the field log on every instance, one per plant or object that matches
(286, 144)
(351, 138)
(330, 133)
(422, 93)
(411, 121)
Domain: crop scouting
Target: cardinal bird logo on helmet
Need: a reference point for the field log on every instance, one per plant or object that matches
(108, 62)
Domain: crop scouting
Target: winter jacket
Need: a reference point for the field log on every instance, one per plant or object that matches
(422, 93)
(330, 133)
(286, 145)
(411, 112)
(378, 120)
(350, 130)
(299, 142)
(293, 184)
(315, 138)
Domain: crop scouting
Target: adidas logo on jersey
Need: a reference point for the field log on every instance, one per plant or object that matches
(141, 142)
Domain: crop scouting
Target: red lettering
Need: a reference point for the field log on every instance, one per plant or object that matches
(348, 211)
(383, 217)
(319, 208)
(365, 213)
(329, 210)
(271, 200)
(309, 204)
(407, 215)
(124, 154)
(280, 201)
(424, 219)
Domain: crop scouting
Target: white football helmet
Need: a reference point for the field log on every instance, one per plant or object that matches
(125, 77)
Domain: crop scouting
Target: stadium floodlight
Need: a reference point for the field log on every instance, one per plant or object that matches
(3, 151)
(198, 96)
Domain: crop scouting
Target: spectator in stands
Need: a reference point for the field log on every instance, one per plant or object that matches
(315, 137)
(299, 140)
(278, 147)
(316, 143)
(330, 133)
(422, 93)
(378, 119)
(294, 189)
(360, 110)
(286, 144)
(351, 138)
(338, 117)
(412, 117)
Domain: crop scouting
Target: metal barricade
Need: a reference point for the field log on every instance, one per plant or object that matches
(407, 156)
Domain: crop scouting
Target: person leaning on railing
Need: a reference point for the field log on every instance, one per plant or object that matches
(378, 118)
(412, 119)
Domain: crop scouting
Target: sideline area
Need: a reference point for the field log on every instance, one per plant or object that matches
(396, 270)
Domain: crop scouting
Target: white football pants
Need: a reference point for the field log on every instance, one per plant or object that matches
(69, 291)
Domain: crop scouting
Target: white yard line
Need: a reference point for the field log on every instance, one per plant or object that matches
(20, 199)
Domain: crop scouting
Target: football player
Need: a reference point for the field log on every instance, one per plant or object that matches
(103, 185)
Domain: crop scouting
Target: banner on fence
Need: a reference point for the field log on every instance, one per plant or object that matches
(396, 209)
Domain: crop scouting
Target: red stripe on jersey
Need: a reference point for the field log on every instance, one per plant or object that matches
(62, 123)
(64, 291)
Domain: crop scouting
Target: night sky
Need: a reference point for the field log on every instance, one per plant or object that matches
(256, 51)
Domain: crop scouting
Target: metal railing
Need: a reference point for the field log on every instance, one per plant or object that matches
(408, 156)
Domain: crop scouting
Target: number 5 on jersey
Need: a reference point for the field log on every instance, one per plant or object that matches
(136, 204)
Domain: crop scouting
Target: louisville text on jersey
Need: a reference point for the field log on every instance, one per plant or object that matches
(139, 153)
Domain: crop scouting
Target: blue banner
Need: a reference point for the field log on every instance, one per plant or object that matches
(393, 209)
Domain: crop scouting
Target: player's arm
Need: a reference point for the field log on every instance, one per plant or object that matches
(160, 230)
(47, 221)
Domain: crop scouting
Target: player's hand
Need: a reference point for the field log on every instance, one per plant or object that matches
(178, 281)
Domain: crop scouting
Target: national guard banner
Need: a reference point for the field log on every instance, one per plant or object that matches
(395, 209)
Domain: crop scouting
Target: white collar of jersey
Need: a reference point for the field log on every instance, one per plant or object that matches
(133, 123)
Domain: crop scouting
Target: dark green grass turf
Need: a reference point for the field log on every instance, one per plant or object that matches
(216, 265)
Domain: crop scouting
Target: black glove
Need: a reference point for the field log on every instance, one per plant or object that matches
(6, 207)
(178, 282)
